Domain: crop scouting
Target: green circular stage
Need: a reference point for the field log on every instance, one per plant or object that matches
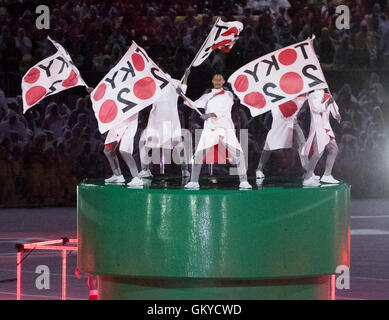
(277, 241)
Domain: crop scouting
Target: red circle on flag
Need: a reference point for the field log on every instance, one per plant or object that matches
(241, 83)
(34, 94)
(100, 92)
(108, 111)
(71, 80)
(32, 76)
(291, 83)
(144, 88)
(233, 30)
(288, 109)
(287, 57)
(255, 99)
(138, 62)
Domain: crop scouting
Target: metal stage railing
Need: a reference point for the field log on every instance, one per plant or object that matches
(23, 251)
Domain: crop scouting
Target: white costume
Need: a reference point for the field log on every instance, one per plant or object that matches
(320, 124)
(219, 102)
(282, 131)
(321, 137)
(123, 134)
(280, 135)
(163, 128)
(218, 129)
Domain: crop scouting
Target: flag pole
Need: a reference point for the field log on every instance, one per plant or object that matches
(204, 43)
(202, 47)
(190, 103)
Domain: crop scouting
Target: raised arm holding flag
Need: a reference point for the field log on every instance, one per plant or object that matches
(222, 36)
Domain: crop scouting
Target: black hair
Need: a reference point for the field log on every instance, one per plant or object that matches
(218, 74)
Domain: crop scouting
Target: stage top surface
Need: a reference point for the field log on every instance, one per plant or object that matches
(225, 183)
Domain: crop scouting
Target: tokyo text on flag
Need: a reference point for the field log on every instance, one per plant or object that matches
(223, 36)
(278, 77)
(133, 84)
(50, 76)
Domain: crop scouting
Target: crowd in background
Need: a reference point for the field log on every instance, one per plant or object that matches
(45, 153)
(97, 33)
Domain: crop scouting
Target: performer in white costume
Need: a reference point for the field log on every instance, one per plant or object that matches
(321, 137)
(122, 136)
(163, 128)
(218, 128)
(284, 133)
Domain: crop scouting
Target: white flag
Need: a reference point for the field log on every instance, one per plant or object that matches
(133, 84)
(278, 77)
(51, 75)
(223, 36)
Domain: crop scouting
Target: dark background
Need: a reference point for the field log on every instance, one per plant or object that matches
(45, 153)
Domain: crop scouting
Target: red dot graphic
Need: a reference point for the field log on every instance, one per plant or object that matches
(287, 57)
(34, 94)
(221, 44)
(291, 83)
(233, 30)
(255, 99)
(100, 92)
(108, 111)
(288, 109)
(138, 62)
(71, 80)
(144, 88)
(241, 83)
(32, 76)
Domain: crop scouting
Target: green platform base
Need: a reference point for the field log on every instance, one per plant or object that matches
(164, 242)
(211, 289)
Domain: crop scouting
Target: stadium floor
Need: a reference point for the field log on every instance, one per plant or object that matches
(369, 252)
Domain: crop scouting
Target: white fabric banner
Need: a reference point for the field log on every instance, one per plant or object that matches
(133, 84)
(223, 36)
(278, 77)
(50, 76)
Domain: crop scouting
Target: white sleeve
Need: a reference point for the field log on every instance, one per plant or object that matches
(201, 102)
(177, 83)
(315, 103)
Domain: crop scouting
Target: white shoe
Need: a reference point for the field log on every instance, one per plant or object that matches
(259, 174)
(185, 173)
(259, 181)
(115, 179)
(135, 182)
(145, 174)
(192, 185)
(316, 177)
(311, 182)
(245, 185)
(329, 179)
